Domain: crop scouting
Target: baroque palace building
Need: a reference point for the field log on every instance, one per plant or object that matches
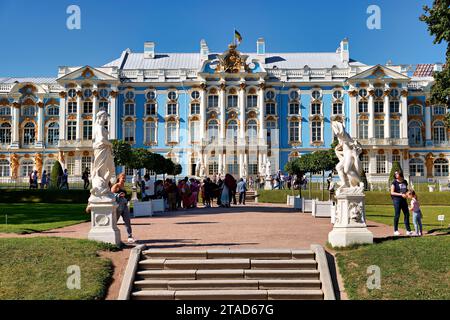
(229, 112)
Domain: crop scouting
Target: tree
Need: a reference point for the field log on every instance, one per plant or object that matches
(169, 167)
(395, 167)
(177, 169)
(57, 171)
(122, 152)
(438, 20)
(362, 173)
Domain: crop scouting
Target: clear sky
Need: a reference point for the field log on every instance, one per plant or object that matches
(35, 40)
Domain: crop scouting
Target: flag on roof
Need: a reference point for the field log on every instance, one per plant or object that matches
(237, 36)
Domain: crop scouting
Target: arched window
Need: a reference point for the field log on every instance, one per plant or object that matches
(232, 130)
(29, 111)
(5, 111)
(294, 131)
(294, 108)
(213, 130)
(150, 132)
(53, 110)
(195, 131)
(316, 108)
(26, 168)
(5, 133)
(172, 136)
(252, 101)
(252, 131)
(232, 101)
(441, 168)
(53, 134)
(4, 168)
(129, 131)
(337, 108)
(316, 131)
(49, 165)
(365, 162)
(415, 133)
(363, 107)
(416, 167)
(271, 127)
(29, 133)
(439, 132)
(363, 129)
(415, 110)
(439, 110)
(213, 100)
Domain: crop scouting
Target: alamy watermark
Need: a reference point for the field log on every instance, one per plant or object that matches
(374, 279)
(74, 280)
(374, 20)
(73, 21)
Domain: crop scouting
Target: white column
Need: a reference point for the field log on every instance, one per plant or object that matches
(94, 105)
(260, 162)
(404, 115)
(220, 163)
(262, 111)
(427, 123)
(387, 117)
(79, 113)
(202, 114)
(40, 139)
(242, 112)
(62, 116)
(371, 117)
(113, 116)
(241, 165)
(222, 112)
(15, 143)
(353, 115)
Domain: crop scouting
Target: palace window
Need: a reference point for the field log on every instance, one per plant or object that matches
(337, 94)
(415, 134)
(129, 95)
(150, 109)
(71, 107)
(195, 131)
(233, 165)
(26, 168)
(270, 108)
(129, 109)
(415, 110)
(171, 109)
(394, 106)
(252, 131)
(87, 93)
(195, 108)
(337, 108)
(150, 132)
(172, 136)
(363, 107)
(151, 95)
(396, 158)
(49, 165)
(172, 95)
(365, 162)
(232, 101)
(294, 108)
(271, 126)
(294, 131)
(4, 168)
(270, 95)
(104, 93)
(213, 101)
(394, 93)
(416, 168)
(129, 131)
(71, 130)
(378, 93)
(103, 106)
(213, 130)
(363, 129)
(53, 134)
(439, 110)
(29, 111)
(381, 163)
(86, 163)
(441, 168)
(316, 131)
(195, 95)
(378, 106)
(439, 132)
(213, 167)
(253, 168)
(70, 166)
(53, 111)
(316, 94)
(87, 130)
(395, 129)
(87, 107)
(252, 101)
(379, 129)
(5, 111)
(29, 134)
(316, 108)
(294, 95)
(232, 131)
(5, 133)
(72, 93)
(362, 93)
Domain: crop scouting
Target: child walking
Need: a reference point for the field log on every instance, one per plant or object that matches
(417, 213)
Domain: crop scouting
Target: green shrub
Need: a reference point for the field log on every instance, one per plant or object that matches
(56, 172)
(44, 196)
(395, 167)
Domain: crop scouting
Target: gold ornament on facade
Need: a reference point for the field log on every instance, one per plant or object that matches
(404, 93)
(95, 93)
(71, 153)
(429, 163)
(232, 62)
(61, 157)
(79, 94)
(14, 161)
(38, 163)
(87, 73)
(353, 93)
(113, 94)
(4, 102)
(40, 104)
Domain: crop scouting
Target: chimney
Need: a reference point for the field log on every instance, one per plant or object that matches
(260, 47)
(149, 50)
(204, 50)
(437, 67)
(344, 51)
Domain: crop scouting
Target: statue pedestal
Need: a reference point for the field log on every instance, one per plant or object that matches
(350, 225)
(268, 184)
(104, 222)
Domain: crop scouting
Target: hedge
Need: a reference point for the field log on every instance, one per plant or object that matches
(44, 196)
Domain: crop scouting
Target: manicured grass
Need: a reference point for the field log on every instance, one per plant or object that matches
(37, 217)
(36, 269)
(385, 214)
(411, 269)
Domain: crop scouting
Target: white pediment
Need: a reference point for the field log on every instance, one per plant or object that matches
(87, 73)
(379, 72)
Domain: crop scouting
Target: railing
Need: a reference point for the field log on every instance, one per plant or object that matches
(75, 144)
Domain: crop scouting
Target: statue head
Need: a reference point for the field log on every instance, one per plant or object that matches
(338, 128)
(102, 117)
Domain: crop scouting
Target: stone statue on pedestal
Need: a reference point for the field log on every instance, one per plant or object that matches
(268, 169)
(350, 225)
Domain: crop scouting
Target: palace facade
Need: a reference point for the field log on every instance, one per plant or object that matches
(227, 112)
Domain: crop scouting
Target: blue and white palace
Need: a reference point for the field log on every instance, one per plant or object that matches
(227, 112)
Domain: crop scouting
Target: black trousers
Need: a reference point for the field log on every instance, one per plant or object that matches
(399, 206)
(242, 198)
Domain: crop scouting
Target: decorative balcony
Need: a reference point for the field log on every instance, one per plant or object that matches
(384, 142)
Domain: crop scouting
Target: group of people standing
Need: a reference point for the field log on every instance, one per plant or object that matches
(61, 183)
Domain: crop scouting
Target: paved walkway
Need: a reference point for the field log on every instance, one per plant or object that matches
(252, 226)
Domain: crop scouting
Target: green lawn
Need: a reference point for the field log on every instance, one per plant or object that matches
(385, 214)
(37, 217)
(36, 269)
(411, 269)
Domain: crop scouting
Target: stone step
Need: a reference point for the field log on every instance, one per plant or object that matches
(229, 295)
(174, 254)
(227, 284)
(284, 264)
(166, 274)
(198, 264)
(275, 274)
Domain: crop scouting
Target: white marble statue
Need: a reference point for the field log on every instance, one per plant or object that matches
(348, 151)
(202, 171)
(244, 170)
(103, 168)
(268, 169)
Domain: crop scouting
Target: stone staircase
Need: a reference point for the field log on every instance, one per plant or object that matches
(250, 196)
(224, 275)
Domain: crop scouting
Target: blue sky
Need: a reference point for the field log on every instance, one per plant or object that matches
(35, 39)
